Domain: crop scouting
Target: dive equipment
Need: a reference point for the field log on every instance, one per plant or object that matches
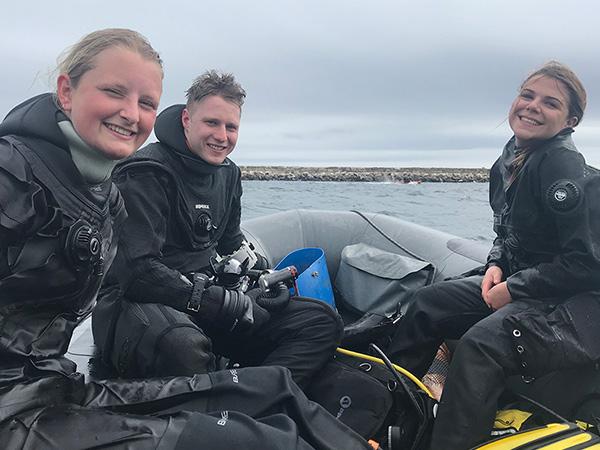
(84, 246)
(230, 269)
(271, 278)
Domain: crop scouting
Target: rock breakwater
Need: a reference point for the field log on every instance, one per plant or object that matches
(367, 174)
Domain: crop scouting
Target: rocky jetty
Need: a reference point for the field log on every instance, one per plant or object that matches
(367, 174)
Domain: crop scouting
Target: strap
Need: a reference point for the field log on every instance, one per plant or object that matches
(200, 281)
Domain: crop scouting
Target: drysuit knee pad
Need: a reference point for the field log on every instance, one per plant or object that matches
(183, 350)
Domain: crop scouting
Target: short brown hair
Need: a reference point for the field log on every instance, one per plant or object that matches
(213, 82)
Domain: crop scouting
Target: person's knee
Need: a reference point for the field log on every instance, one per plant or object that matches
(318, 320)
(482, 346)
(249, 381)
(183, 351)
(231, 429)
(474, 337)
(428, 309)
(426, 298)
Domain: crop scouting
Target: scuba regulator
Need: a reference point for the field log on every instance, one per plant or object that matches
(235, 271)
(231, 270)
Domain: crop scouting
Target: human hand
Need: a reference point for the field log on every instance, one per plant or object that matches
(276, 299)
(492, 277)
(498, 296)
(236, 310)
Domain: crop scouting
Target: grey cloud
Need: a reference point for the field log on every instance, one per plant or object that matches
(390, 82)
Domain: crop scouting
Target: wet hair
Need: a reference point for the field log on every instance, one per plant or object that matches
(78, 59)
(575, 90)
(217, 83)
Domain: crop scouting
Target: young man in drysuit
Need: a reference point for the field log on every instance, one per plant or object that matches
(160, 313)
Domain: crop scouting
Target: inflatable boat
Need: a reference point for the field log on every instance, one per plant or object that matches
(277, 235)
(353, 244)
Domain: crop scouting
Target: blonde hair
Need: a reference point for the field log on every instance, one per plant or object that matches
(79, 58)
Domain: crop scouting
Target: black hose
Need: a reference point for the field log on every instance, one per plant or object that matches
(542, 407)
(399, 379)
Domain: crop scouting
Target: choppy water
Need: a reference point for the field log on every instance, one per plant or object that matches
(458, 208)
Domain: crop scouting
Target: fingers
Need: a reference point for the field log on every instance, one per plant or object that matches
(497, 276)
(486, 284)
(495, 273)
(485, 287)
(498, 296)
(283, 291)
(278, 299)
(492, 277)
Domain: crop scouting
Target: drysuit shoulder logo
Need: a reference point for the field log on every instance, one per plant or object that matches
(563, 196)
(560, 195)
(234, 376)
(345, 403)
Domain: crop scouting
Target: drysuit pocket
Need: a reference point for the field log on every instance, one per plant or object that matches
(583, 312)
(565, 337)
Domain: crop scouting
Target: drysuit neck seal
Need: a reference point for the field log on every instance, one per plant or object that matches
(94, 167)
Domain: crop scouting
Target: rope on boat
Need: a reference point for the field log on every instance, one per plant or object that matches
(395, 242)
(388, 237)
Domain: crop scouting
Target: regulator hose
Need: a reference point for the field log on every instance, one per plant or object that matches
(402, 370)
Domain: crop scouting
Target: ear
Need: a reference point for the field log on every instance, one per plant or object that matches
(64, 92)
(572, 122)
(185, 119)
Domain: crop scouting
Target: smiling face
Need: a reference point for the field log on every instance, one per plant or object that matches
(113, 106)
(211, 128)
(540, 111)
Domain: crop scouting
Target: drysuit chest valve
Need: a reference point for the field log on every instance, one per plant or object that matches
(84, 246)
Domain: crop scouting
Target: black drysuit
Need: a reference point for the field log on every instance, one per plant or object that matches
(547, 221)
(56, 242)
(182, 211)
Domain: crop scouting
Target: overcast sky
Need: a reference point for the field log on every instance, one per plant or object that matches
(359, 83)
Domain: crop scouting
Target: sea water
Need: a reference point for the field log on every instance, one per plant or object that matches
(461, 209)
